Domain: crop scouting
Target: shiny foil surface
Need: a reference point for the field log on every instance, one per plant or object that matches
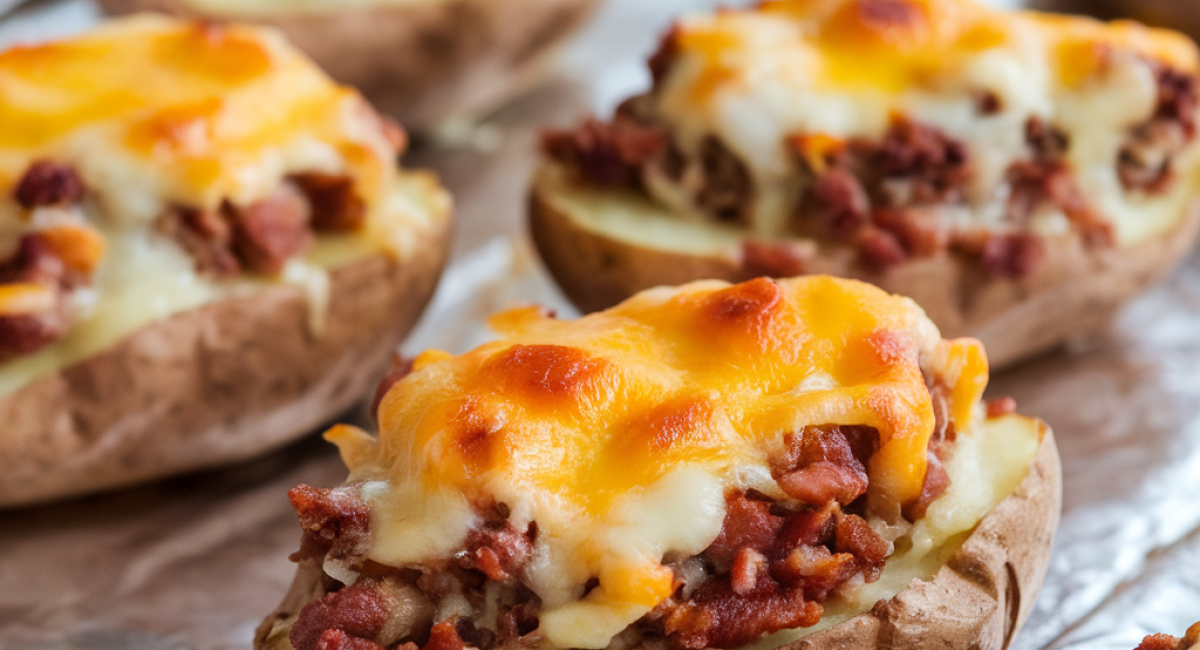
(196, 562)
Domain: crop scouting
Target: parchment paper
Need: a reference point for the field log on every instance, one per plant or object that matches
(195, 562)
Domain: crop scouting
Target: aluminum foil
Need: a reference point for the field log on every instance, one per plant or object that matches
(196, 562)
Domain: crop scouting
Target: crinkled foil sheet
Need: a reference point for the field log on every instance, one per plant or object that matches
(195, 562)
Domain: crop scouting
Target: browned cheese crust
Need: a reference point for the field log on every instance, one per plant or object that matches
(215, 384)
(980, 598)
(421, 62)
(1075, 290)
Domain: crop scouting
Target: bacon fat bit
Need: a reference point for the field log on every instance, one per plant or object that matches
(48, 183)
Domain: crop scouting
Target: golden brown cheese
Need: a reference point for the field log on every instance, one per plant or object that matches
(620, 433)
(202, 109)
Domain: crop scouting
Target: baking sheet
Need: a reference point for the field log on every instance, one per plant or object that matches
(195, 562)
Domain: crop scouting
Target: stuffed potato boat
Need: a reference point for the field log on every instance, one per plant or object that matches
(803, 463)
(206, 249)
(1019, 174)
(423, 61)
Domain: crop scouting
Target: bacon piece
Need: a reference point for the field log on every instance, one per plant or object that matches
(879, 249)
(335, 206)
(718, 617)
(33, 261)
(356, 611)
(1013, 256)
(498, 551)
(48, 183)
(1161, 642)
(773, 259)
(748, 524)
(443, 636)
(28, 333)
(607, 154)
(205, 236)
(854, 536)
(743, 575)
(1001, 406)
(937, 481)
(335, 521)
(268, 233)
(935, 166)
(727, 187)
(837, 203)
(339, 640)
(823, 481)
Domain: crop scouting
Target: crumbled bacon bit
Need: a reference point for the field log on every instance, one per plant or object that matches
(270, 232)
(1001, 406)
(1012, 256)
(608, 154)
(335, 206)
(354, 611)
(335, 521)
(49, 183)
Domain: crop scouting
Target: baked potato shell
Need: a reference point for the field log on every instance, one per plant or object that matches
(421, 62)
(1076, 289)
(216, 384)
(980, 597)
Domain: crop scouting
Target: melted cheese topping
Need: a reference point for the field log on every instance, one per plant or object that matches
(841, 69)
(154, 114)
(621, 433)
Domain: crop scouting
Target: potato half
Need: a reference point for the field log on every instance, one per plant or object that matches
(221, 382)
(603, 246)
(980, 597)
(421, 62)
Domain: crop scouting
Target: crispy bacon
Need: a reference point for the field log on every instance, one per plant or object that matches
(46, 182)
(28, 333)
(356, 611)
(268, 233)
(336, 521)
(607, 154)
(335, 207)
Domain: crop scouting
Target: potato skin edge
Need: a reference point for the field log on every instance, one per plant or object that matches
(421, 63)
(1075, 291)
(979, 599)
(140, 410)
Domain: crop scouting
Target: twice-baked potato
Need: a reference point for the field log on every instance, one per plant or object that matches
(206, 250)
(800, 464)
(422, 62)
(1019, 174)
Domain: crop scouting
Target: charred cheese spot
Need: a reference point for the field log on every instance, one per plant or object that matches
(544, 374)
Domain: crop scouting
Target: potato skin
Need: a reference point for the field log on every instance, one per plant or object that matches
(425, 62)
(1074, 291)
(212, 385)
(979, 599)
